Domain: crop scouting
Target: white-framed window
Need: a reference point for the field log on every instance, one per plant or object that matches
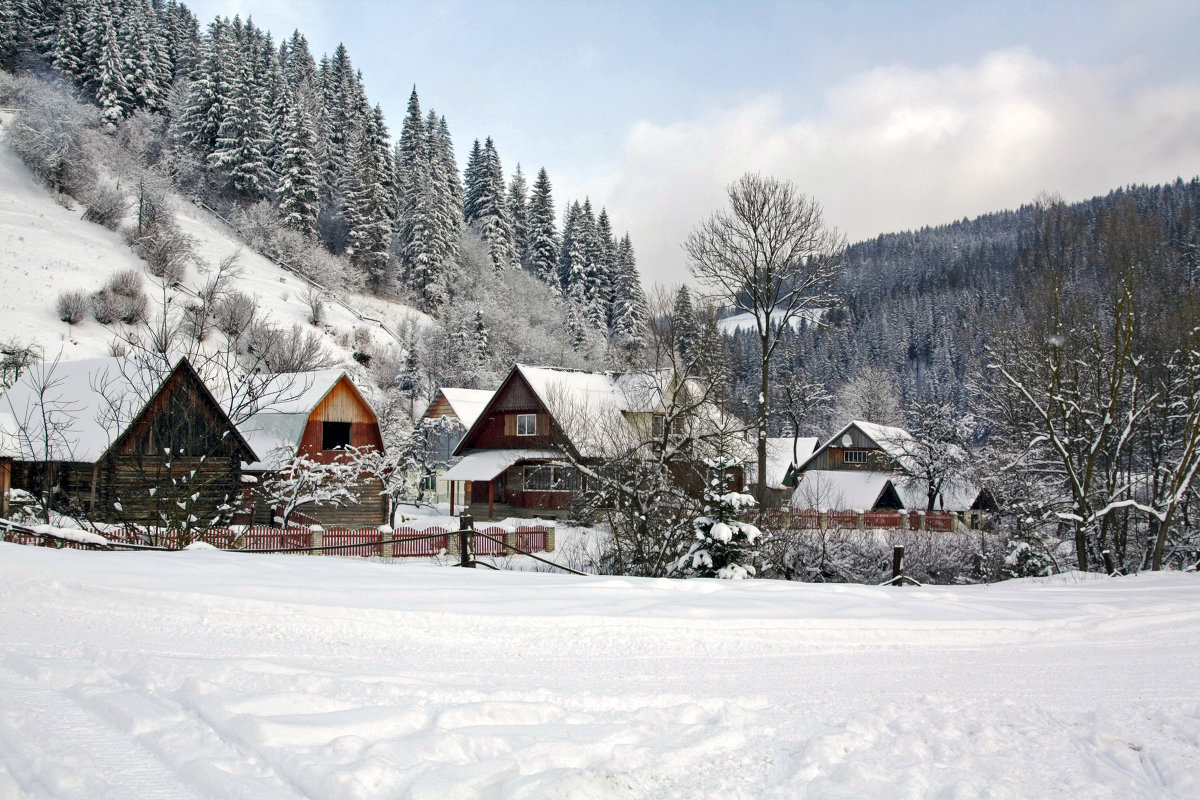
(658, 425)
(526, 424)
(855, 456)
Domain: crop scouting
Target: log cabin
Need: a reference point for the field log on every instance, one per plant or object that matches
(319, 415)
(111, 441)
(517, 457)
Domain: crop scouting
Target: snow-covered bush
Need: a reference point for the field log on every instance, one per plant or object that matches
(106, 205)
(292, 350)
(724, 547)
(316, 306)
(235, 313)
(127, 283)
(51, 133)
(72, 306)
(105, 306)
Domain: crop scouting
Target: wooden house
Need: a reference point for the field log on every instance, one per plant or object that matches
(460, 408)
(318, 415)
(867, 467)
(518, 453)
(9, 451)
(116, 443)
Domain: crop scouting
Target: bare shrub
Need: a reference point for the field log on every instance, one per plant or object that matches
(127, 283)
(72, 306)
(131, 309)
(235, 313)
(166, 251)
(315, 300)
(106, 205)
(288, 350)
(105, 306)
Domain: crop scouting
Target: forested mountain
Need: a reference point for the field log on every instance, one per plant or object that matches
(921, 306)
(228, 117)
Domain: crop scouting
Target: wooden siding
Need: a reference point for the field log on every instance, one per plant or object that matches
(496, 427)
(369, 508)
(342, 404)
(440, 407)
(832, 457)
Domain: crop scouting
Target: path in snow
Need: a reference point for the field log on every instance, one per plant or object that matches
(220, 675)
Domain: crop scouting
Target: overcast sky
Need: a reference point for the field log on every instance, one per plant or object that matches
(893, 115)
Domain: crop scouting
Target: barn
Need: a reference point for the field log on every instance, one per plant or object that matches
(319, 415)
(112, 441)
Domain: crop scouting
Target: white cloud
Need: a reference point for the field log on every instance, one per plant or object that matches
(896, 148)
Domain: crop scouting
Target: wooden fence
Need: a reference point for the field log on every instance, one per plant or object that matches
(402, 542)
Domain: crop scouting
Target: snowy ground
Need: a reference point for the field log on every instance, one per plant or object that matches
(219, 675)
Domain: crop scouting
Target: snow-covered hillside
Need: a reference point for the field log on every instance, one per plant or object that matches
(214, 675)
(45, 247)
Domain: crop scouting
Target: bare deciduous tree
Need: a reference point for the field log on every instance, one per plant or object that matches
(772, 255)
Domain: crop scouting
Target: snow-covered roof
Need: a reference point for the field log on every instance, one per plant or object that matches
(782, 452)
(955, 497)
(840, 490)
(280, 424)
(483, 465)
(590, 406)
(467, 404)
(75, 410)
(891, 440)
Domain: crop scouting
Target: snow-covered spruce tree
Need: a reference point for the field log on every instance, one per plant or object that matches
(242, 140)
(687, 323)
(448, 191)
(366, 217)
(300, 175)
(518, 209)
(723, 546)
(9, 31)
(418, 239)
(112, 93)
(629, 314)
(542, 253)
(69, 51)
(490, 208)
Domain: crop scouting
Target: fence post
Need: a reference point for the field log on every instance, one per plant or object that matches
(898, 565)
(823, 520)
(466, 540)
(385, 539)
(549, 537)
(862, 520)
(318, 537)
(924, 525)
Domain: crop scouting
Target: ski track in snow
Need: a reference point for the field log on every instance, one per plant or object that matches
(218, 675)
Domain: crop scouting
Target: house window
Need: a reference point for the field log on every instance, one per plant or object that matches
(855, 456)
(429, 483)
(658, 425)
(545, 478)
(526, 424)
(335, 435)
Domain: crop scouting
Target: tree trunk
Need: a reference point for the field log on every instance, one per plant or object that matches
(1081, 553)
(762, 425)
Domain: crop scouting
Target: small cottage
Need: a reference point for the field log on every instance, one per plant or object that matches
(114, 442)
(517, 456)
(319, 415)
(461, 407)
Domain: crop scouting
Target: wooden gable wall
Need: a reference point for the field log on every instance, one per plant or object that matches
(496, 427)
(832, 456)
(343, 403)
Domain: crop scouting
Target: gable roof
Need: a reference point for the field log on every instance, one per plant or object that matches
(467, 404)
(281, 423)
(891, 440)
(77, 411)
(783, 452)
(844, 490)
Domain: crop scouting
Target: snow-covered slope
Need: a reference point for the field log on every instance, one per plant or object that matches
(215, 675)
(45, 247)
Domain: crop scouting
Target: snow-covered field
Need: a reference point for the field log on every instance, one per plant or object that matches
(222, 675)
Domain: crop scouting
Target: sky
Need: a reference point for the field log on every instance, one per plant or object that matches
(893, 115)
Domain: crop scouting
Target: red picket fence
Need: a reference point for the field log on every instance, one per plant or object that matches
(367, 539)
(402, 545)
(883, 519)
(940, 521)
(843, 519)
(528, 538)
(486, 547)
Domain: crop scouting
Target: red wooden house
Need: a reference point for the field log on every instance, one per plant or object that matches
(320, 416)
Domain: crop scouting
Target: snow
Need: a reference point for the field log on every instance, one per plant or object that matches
(213, 675)
(745, 320)
(71, 534)
(782, 452)
(483, 465)
(839, 490)
(279, 427)
(45, 247)
(467, 404)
